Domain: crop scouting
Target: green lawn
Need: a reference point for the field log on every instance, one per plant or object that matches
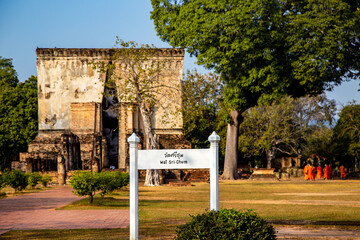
(162, 208)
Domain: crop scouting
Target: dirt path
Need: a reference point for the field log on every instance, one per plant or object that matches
(288, 232)
(37, 211)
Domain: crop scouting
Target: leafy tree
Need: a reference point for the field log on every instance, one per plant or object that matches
(85, 184)
(318, 142)
(284, 127)
(18, 113)
(202, 99)
(135, 70)
(16, 179)
(110, 181)
(346, 137)
(264, 50)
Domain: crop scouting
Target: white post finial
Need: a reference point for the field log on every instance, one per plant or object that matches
(214, 171)
(133, 140)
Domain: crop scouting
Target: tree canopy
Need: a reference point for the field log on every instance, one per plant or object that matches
(18, 113)
(265, 50)
(346, 137)
(201, 104)
(286, 127)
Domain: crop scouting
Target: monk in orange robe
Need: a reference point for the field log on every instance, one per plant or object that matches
(342, 172)
(311, 172)
(326, 172)
(306, 172)
(318, 169)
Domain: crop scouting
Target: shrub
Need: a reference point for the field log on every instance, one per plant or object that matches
(110, 181)
(16, 179)
(2, 184)
(2, 181)
(226, 224)
(33, 178)
(45, 180)
(85, 184)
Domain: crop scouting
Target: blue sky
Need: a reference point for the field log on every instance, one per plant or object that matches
(28, 24)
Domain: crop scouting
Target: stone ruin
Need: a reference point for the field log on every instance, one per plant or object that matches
(79, 126)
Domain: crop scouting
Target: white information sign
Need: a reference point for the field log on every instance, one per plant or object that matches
(171, 159)
(174, 159)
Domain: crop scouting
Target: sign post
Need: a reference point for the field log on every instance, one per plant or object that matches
(133, 140)
(214, 171)
(171, 159)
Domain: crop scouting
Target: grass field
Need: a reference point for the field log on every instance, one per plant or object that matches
(10, 192)
(162, 208)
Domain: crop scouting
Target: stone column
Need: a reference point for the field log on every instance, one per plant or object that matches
(104, 157)
(122, 136)
(95, 165)
(61, 171)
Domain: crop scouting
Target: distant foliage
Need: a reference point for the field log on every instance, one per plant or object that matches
(33, 179)
(18, 113)
(202, 101)
(45, 180)
(2, 181)
(226, 224)
(87, 183)
(16, 179)
(346, 137)
(287, 127)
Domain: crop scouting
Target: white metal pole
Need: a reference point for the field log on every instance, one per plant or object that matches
(214, 171)
(133, 140)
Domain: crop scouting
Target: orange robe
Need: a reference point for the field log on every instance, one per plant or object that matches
(311, 172)
(306, 172)
(342, 172)
(318, 172)
(326, 173)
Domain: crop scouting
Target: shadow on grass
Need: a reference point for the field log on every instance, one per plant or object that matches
(99, 203)
(72, 234)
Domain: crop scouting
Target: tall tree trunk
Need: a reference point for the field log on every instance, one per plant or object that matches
(269, 157)
(231, 151)
(152, 175)
(356, 164)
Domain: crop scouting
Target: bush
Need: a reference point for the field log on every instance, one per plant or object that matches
(85, 184)
(2, 181)
(110, 181)
(45, 180)
(16, 179)
(226, 224)
(33, 178)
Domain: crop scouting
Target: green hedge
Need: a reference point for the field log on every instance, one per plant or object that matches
(226, 224)
(33, 178)
(45, 180)
(16, 179)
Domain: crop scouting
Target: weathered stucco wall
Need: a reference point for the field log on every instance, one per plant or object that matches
(64, 77)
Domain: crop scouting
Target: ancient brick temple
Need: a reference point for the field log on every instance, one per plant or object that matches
(79, 126)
